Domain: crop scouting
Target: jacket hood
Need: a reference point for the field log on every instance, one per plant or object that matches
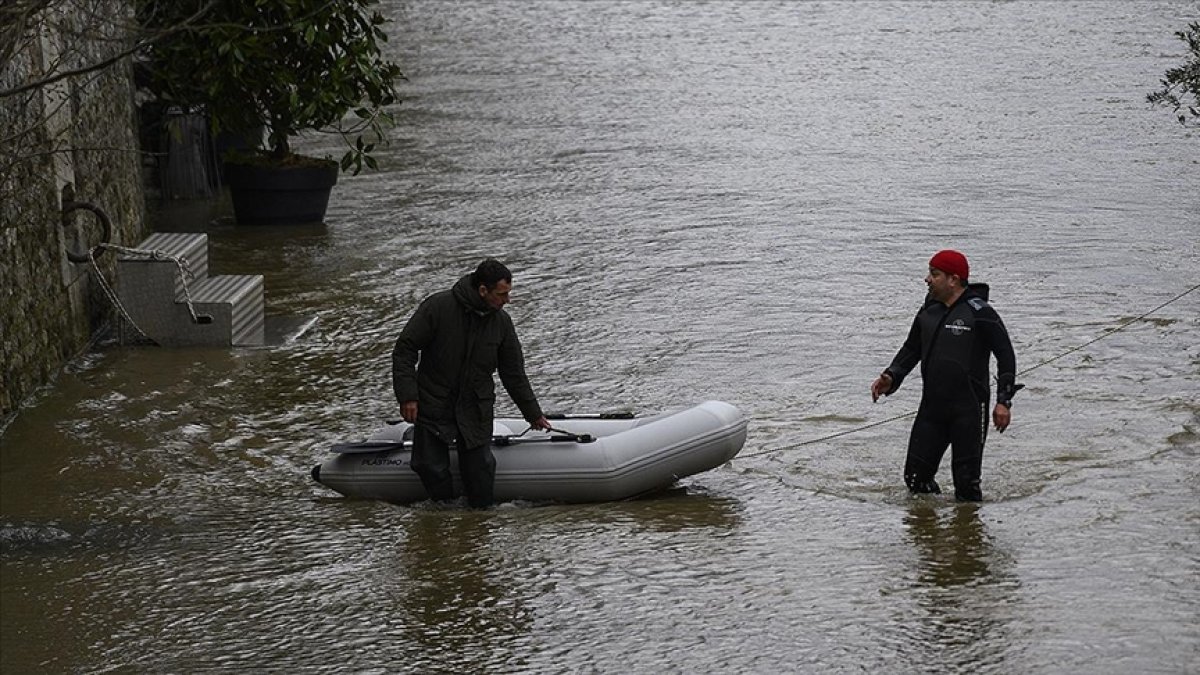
(979, 289)
(468, 296)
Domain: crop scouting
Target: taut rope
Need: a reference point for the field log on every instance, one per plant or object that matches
(1094, 340)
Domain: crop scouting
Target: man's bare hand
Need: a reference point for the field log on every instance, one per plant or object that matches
(1001, 417)
(880, 386)
(408, 410)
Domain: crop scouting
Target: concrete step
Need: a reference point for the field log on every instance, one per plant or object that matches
(191, 246)
(152, 291)
(237, 306)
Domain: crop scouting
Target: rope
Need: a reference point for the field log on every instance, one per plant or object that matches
(181, 263)
(1111, 332)
(1098, 338)
(112, 296)
(185, 271)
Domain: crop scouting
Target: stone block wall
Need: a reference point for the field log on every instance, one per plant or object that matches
(76, 136)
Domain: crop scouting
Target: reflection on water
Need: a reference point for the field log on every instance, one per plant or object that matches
(36, 539)
(454, 592)
(954, 548)
(468, 585)
(963, 582)
(673, 510)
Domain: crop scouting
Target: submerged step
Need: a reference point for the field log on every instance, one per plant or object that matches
(237, 307)
(229, 309)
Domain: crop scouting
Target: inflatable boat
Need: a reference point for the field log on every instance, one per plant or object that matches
(591, 458)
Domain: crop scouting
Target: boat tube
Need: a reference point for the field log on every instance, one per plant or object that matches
(594, 458)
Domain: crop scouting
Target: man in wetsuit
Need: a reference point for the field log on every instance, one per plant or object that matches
(461, 336)
(953, 337)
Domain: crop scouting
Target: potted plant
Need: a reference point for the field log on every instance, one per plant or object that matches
(288, 66)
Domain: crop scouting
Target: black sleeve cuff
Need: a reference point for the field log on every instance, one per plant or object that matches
(1006, 388)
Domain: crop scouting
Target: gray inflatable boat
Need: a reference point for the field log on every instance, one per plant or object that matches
(592, 458)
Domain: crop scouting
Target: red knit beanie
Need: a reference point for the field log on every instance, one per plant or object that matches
(951, 262)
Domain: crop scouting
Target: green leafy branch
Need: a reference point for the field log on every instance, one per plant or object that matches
(291, 65)
(1179, 82)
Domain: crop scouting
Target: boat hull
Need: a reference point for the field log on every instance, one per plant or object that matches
(627, 458)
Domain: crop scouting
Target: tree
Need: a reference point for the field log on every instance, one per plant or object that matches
(291, 65)
(1179, 82)
(50, 52)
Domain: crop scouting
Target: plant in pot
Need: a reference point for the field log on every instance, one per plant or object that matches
(288, 66)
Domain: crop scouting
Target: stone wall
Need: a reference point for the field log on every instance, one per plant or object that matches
(74, 136)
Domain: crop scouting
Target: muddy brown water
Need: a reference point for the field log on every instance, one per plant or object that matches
(700, 200)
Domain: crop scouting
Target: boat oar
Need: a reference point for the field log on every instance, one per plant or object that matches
(563, 437)
(501, 441)
(619, 415)
(566, 435)
(622, 415)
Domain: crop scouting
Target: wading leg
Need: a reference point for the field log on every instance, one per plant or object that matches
(478, 468)
(926, 445)
(431, 461)
(968, 435)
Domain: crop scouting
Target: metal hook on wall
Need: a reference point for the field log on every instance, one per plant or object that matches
(105, 223)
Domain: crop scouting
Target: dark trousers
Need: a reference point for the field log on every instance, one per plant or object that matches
(431, 461)
(964, 430)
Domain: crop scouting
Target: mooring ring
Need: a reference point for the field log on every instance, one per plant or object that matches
(105, 223)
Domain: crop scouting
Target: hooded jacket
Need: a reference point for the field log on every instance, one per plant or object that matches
(460, 341)
(953, 345)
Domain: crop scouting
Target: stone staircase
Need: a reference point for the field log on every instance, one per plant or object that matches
(229, 310)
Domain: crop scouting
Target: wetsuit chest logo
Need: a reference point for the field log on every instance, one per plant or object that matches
(958, 327)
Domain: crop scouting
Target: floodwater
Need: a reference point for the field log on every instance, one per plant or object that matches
(700, 200)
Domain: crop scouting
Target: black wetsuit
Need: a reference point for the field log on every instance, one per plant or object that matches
(953, 345)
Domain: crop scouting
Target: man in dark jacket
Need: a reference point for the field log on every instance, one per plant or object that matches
(461, 336)
(953, 337)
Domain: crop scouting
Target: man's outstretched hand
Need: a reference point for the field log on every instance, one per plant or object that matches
(880, 386)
